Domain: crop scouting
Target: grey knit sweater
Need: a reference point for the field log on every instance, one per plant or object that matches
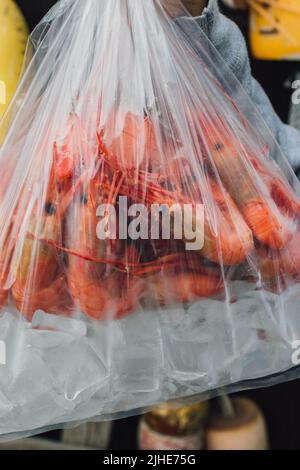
(229, 41)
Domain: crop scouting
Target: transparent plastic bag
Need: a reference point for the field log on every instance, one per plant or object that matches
(149, 223)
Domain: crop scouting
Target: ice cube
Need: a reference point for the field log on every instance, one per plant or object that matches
(48, 375)
(12, 340)
(189, 340)
(76, 370)
(258, 338)
(72, 326)
(137, 358)
(290, 301)
(6, 405)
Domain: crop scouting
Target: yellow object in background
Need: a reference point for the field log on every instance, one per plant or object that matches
(13, 38)
(275, 29)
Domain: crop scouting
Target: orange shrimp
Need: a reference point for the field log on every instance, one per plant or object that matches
(279, 189)
(6, 249)
(99, 290)
(258, 205)
(66, 149)
(39, 279)
(275, 264)
(3, 290)
(188, 280)
(129, 144)
(4, 271)
(233, 241)
(185, 287)
(109, 298)
(74, 146)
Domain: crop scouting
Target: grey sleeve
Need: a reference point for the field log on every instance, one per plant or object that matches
(230, 43)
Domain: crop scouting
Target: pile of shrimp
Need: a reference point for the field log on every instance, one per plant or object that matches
(250, 226)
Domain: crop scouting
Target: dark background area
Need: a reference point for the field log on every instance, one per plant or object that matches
(280, 404)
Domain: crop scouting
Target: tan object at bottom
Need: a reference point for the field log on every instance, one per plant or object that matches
(246, 430)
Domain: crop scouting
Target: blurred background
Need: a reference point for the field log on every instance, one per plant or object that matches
(280, 404)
